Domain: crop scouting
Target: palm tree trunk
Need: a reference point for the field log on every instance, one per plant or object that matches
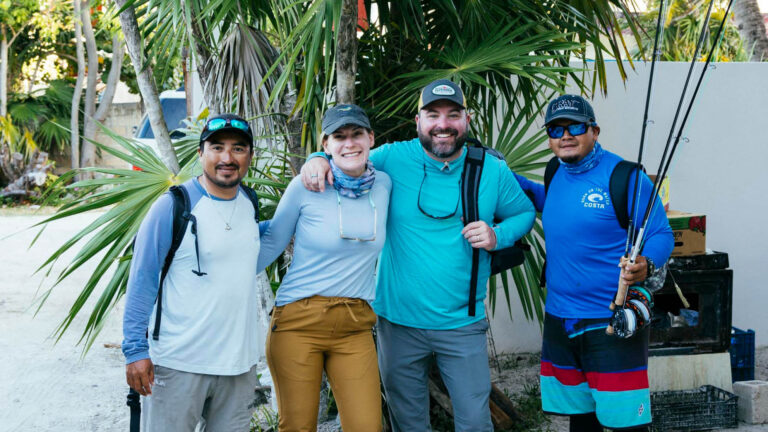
(346, 53)
(33, 78)
(112, 80)
(749, 20)
(3, 73)
(147, 86)
(88, 150)
(74, 122)
(199, 41)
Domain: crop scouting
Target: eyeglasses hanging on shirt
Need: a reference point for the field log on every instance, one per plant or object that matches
(375, 220)
(429, 215)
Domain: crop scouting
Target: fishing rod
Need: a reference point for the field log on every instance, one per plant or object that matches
(664, 164)
(666, 160)
(655, 55)
(679, 135)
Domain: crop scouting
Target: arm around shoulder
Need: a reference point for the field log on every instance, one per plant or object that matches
(282, 226)
(513, 208)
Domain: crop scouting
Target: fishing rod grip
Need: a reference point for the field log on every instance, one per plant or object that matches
(621, 294)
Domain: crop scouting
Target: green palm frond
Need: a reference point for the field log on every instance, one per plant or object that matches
(127, 196)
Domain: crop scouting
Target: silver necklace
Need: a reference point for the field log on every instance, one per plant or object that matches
(227, 223)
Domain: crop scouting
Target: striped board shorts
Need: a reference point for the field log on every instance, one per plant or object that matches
(583, 370)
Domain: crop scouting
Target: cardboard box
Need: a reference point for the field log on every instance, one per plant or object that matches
(690, 230)
(663, 191)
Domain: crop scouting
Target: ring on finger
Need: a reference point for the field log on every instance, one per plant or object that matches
(313, 175)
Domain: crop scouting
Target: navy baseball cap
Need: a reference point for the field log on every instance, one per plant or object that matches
(442, 89)
(342, 115)
(227, 122)
(571, 107)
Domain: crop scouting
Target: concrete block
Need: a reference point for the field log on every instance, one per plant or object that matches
(753, 401)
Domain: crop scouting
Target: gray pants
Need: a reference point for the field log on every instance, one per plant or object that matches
(180, 400)
(405, 354)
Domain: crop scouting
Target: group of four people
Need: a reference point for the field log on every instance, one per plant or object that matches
(379, 241)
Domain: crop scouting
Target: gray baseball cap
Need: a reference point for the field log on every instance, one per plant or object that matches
(442, 89)
(342, 115)
(571, 107)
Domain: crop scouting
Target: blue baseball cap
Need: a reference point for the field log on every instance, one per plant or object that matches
(571, 107)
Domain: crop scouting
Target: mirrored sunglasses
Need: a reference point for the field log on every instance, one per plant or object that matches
(219, 123)
(575, 129)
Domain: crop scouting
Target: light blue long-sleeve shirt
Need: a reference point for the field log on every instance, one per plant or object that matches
(209, 322)
(324, 263)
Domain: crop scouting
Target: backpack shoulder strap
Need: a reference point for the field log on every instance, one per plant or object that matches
(549, 172)
(181, 215)
(254, 198)
(470, 186)
(619, 190)
(470, 182)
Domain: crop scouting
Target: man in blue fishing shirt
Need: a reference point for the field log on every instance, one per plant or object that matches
(599, 380)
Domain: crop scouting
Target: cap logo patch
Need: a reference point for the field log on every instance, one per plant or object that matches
(571, 105)
(345, 109)
(443, 90)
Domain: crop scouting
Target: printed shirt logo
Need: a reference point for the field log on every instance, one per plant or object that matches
(443, 90)
(640, 410)
(595, 198)
(570, 105)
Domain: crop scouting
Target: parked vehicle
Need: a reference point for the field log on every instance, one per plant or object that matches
(174, 105)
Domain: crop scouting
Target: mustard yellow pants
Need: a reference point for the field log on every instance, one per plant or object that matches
(331, 333)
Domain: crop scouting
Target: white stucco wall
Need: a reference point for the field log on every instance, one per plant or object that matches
(720, 172)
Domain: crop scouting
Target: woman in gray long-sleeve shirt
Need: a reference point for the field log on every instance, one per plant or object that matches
(322, 319)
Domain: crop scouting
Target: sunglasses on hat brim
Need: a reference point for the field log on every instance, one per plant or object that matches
(219, 123)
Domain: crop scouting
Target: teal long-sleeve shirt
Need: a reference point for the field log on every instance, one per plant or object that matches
(425, 266)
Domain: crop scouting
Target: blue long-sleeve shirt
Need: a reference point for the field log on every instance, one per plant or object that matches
(584, 240)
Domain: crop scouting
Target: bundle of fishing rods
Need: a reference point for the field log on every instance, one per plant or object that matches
(635, 237)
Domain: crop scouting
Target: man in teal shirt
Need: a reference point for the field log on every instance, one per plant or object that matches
(422, 291)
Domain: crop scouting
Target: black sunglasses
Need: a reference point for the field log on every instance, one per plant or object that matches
(424, 212)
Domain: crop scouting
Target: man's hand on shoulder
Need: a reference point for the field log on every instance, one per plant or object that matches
(480, 235)
(314, 174)
(140, 376)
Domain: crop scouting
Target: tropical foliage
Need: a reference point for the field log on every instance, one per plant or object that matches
(683, 22)
(275, 61)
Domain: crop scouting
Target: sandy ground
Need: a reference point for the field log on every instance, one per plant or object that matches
(49, 386)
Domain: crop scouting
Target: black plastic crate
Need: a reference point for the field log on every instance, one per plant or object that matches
(742, 354)
(705, 408)
(710, 294)
(709, 261)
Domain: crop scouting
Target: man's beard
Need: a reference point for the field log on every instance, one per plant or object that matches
(223, 184)
(570, 159)
(442, 153)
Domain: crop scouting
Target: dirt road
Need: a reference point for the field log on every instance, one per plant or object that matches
(47, 386)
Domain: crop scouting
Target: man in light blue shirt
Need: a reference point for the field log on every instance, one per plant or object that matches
(422, 292)
(200, 361)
